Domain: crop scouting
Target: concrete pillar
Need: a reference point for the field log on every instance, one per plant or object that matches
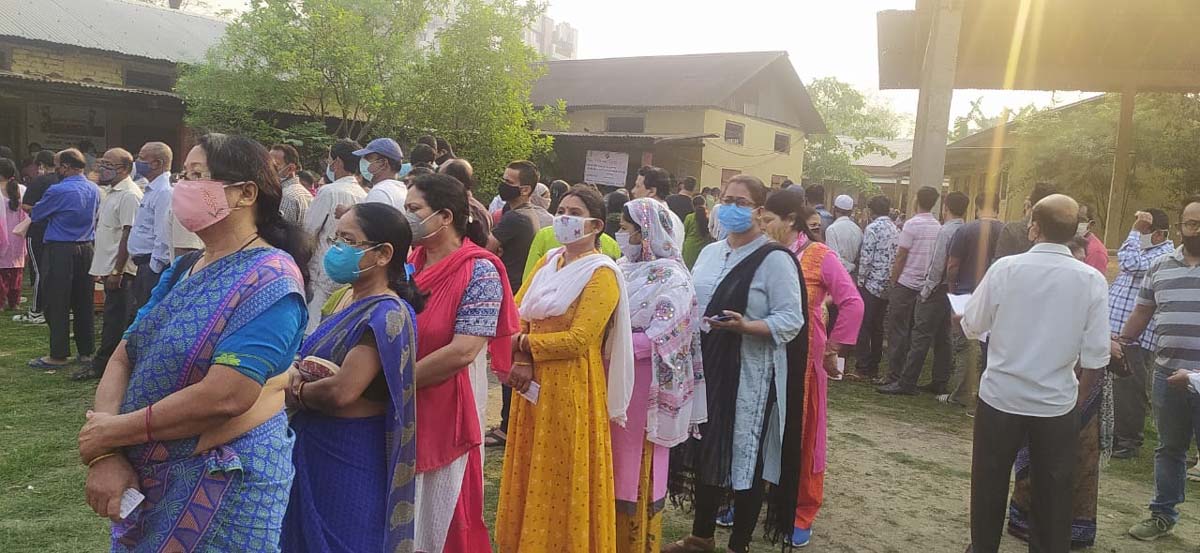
(1121, 165)
(937, 90)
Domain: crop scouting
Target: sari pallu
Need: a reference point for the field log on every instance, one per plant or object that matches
(232, 496)
(450, 486)
(708, 460)
(1097, 412)
(354, 476)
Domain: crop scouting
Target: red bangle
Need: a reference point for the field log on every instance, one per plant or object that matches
(149, 413)
(300, 395)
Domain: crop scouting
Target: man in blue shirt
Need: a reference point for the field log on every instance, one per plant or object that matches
(69, 210)
(150, 237)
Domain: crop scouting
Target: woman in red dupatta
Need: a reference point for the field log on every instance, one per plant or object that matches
(469, 306)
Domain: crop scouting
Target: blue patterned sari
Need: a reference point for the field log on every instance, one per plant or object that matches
(355, 476)
(231, 497)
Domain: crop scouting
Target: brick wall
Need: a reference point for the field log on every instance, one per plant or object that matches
(67, 64)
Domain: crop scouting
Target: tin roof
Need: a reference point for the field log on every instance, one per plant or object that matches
(112, 26)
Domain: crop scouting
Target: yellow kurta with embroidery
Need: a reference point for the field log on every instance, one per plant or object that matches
(556, 491)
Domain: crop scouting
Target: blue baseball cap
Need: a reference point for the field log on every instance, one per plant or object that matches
(385, 147)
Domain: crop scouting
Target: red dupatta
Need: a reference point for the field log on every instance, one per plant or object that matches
(447, 424)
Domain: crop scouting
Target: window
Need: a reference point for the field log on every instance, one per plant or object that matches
(146, 79)
(5, 61)
(727, 174)
(777, 180)
(625, 124)
(783, 143)
(734, 132)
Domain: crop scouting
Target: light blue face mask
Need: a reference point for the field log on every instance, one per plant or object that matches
(735, 218)
(341, 262)
(329, 174)
(364, 169)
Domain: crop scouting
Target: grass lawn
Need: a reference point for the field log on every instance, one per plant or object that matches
(880, 450)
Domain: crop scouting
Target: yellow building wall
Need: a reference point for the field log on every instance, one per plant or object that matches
(659, 121)
(73, 66)
(756, 156)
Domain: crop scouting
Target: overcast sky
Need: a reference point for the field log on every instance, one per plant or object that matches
(822, 37)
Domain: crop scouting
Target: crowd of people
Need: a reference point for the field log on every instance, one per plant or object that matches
(300, 362)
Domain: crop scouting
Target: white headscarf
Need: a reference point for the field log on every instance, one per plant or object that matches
(663, 306)
(551, 293)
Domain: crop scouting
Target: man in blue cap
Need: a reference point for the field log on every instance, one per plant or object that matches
(378, 164)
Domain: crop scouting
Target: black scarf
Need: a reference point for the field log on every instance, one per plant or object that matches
(708, 461)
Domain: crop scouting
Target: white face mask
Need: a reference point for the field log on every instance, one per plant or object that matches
(631, 251)
(1147, 240)
(1081, 230)
(569, 229)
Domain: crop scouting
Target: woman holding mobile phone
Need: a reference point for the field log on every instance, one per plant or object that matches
(755, 358)
(556, 491)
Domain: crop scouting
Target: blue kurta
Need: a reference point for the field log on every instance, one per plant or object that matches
(774, 298)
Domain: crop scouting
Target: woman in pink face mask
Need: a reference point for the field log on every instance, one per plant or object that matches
(189, 411)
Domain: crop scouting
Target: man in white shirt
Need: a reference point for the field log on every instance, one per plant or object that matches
(1046, 313)
(321, 220)
(378, 164)
(655, 182)
(150, 238)
(845, 239)
(111, 262)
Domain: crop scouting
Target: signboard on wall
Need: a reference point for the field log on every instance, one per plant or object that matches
(57, 126)
(606, 168)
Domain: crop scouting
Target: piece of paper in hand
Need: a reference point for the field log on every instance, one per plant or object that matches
(958, 303)
(532, 393)
(841, 368)
(129, 501)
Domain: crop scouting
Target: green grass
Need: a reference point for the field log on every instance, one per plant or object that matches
(42, 507)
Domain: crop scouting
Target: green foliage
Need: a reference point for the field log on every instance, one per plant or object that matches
(853, 120)
(975, 120)
(1074, 148)
(305, 71)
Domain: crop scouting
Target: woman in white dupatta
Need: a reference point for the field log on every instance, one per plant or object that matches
(668, 375)
(556, 491)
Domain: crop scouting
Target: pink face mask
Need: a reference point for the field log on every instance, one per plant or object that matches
(199, 204)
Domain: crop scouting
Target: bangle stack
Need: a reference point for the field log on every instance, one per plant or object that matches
(99, 458)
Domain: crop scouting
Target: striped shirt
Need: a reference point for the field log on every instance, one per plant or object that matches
(919, 236)
(1173, 289)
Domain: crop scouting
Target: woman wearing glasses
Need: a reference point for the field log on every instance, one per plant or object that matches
(190, 408)
(353, 396)
(755, 360)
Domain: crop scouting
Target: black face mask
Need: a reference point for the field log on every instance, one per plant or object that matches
(1191, 244)
(509, 192)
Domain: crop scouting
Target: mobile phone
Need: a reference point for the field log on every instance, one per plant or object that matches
(721, 318)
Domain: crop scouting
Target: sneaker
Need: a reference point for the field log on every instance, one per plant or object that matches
(1124, 453)
(84, 360)
(30, 319)
(800, 537)
(725, 518)
(1193, 473)
(1152, 528)
(895, 389)
(86, 373)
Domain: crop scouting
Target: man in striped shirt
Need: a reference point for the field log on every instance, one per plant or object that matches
(1170, 294)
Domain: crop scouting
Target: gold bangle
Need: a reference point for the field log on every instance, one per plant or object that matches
(100, 458)
(522, 364)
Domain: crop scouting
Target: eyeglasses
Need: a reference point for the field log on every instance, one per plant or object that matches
(740, 202)
(334, 240)
(1190, 226)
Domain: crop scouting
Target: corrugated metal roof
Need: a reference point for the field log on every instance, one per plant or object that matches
(113, 26)
(81, 84)
(901, 149)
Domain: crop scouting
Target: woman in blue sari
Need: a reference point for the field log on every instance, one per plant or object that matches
(355, 453)
(190, 408)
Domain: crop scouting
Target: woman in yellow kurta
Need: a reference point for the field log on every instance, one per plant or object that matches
(556, 492)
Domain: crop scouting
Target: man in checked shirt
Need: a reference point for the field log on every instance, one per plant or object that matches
(1146, 242)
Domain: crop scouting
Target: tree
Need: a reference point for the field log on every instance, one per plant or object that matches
(853, 120)
(975, 120)
(473, 88)
(345, 59)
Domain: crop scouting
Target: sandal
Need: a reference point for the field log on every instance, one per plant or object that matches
(855, 377)
(691, 544)
(41, 363)
(495, 438)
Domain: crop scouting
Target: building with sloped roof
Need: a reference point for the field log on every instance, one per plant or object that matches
(101, 71)
(710, 116)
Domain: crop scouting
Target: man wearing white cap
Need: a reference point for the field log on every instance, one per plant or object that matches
(844, 236)
(378, 164)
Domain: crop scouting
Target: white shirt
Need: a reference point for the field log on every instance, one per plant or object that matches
(117, 211)
(388, 191)
(845, 239)
(1047, 312)
(321, 220)
(181, 238)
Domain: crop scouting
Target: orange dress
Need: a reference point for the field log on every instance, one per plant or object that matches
(556, 488)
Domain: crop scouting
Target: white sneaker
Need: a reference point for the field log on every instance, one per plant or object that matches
(30, 318)
(1193, 473)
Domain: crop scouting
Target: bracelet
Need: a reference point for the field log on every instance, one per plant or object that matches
(149, 413)
(300, 395)
(522, 364)
(99, 458)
